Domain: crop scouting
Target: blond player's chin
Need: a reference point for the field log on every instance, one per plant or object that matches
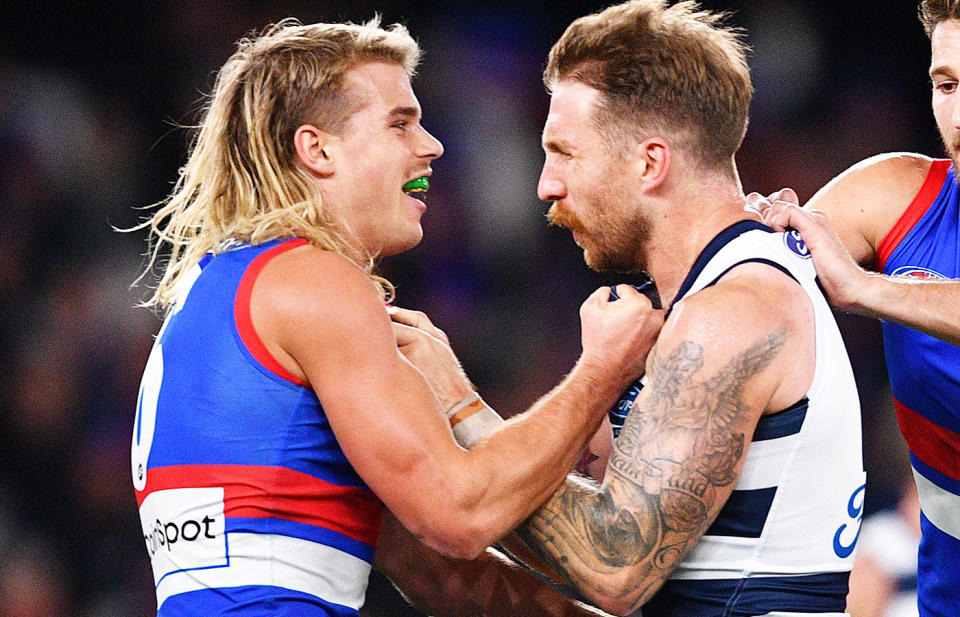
(412, 241)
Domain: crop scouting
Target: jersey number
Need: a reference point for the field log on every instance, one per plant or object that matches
(146, 416)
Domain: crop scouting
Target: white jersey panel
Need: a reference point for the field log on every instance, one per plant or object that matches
(812, 476)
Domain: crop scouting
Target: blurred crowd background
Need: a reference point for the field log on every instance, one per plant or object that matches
(92, 103)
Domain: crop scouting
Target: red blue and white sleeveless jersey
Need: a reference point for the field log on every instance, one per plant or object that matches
(925, 381)
(248, 504)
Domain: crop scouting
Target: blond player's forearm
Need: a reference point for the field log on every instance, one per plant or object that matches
(527, 457)
(927, 305)
(471, 419)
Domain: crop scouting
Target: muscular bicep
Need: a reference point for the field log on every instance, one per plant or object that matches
(672, 467)
(325, 314)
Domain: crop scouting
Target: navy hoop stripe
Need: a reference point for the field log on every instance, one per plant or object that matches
(815, 593)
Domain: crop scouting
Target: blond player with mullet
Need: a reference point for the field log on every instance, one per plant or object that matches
(276, 417)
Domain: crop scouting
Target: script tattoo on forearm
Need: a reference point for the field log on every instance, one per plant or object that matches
(673, 454)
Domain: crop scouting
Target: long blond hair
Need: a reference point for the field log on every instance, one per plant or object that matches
(240, 181)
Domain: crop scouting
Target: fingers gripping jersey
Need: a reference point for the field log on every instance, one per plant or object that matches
(248, 505)
(925, 380)
(784, 541)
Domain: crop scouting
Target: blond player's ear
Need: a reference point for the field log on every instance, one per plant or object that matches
(314, 149)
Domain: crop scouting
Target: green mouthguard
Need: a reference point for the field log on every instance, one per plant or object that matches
(416, 186)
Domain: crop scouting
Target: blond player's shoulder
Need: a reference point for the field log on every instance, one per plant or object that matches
(313, 278)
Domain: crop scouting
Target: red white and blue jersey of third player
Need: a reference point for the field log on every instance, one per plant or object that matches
(248, 504)
(925, 380)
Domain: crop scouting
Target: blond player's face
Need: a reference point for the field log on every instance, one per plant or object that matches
(591, 188)
(383, 147)
(945, 76)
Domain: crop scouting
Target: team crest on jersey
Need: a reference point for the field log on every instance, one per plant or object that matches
(795, 243)
(843, 545)
(917, 273)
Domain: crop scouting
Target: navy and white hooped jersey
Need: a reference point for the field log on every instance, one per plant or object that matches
(784, 541)
(925, 380)
(248, 504)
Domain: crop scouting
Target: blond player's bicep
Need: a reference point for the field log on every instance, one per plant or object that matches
(324, 313)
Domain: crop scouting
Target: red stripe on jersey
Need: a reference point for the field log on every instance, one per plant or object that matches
(930, 442)
(915, 211)
(251, 491)
(241, 312)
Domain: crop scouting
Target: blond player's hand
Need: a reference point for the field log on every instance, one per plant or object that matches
(617, 335)
(427, 347)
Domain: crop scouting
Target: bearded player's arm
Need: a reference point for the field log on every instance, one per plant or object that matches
(856, 211)
(715, 368)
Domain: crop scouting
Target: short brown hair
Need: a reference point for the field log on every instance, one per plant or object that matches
(934, 12)
(677, 69)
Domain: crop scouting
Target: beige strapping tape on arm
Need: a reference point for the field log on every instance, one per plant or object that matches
(471, 419)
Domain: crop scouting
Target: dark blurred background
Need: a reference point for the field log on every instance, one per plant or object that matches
(91, 98)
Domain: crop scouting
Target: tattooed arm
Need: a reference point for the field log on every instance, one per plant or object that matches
(717, 366)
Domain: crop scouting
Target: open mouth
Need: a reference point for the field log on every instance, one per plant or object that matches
(417, 188)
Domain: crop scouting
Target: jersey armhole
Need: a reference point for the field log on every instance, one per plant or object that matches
(244, 321)
(753, 260)
(925, 197)
(761, 260)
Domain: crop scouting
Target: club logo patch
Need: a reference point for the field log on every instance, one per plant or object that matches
(795, 243)
(917, 273)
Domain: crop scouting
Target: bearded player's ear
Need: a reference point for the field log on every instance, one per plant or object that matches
(654, 159)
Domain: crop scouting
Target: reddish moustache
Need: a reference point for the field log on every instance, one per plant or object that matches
(560, 218)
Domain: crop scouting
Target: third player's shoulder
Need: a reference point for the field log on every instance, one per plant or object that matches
(884, 180)
(865, 201)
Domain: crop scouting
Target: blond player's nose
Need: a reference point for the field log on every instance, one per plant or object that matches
(955, 113)
(430, 146)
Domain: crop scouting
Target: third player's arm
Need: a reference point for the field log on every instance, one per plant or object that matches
(862, 205)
